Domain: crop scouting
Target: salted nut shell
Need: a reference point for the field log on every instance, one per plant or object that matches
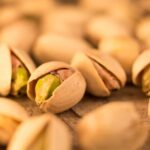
(140, 69)
(11, 115)
(102, 27)
(47, 48)
(41, 133)
(6, 67)
(123, 49)
(67, 94)
(102, 73)
(114, 126)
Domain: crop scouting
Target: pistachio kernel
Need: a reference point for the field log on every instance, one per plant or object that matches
(146, 81)
(45, 87)
(19, 81)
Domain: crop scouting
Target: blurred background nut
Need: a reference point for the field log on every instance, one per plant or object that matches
(124, 49)
(45, 132)
(114, 126)
(103, 26)
(20, 34)
(66, 20)
(11, 115)
(55, 47)
(56, 86)
(141, 72)
(103, 74)
(15, 69)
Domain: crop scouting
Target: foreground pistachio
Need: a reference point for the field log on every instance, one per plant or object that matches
(124, 49)
(15, 74)
(102, 27)
(41, 133)
(47, 48)
(11, 115)
(20, 34)
(114, 126)
(141, 71)
(102, 73)
(56, 86)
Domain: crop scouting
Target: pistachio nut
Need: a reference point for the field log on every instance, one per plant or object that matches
(124, 49)
(20, 34)
(53, 47)
(41, 133)
(11, 115)
(15, 74)
(114, 126)
(66, 20)
(56, 86)
(141, 71)
(102, 27)
(102, 73)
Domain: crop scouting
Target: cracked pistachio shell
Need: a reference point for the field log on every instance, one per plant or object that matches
(6, 72)
(11, 115)
(142, 61)
(124, 49)
(55, 133)
(66, 95)
(47, 48)
(104, 27)
(95, 84)
(114, 126)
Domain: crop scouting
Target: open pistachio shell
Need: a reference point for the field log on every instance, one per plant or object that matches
(139, 65)
(6, 72)
(114, 126)
(47, 48)
(11, 115)
(66, 95)
(95, 84)
(47, 128)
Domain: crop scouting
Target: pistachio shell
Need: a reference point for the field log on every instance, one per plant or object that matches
(12, 109)
(5, 70)
(29, 131)
(139, 65)
(47, 48)
(66, 95)
(95, 84)
(114, 126)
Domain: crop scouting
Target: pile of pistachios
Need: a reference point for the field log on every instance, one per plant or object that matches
(54, 52)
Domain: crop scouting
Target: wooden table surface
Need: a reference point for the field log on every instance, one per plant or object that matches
(89, 103)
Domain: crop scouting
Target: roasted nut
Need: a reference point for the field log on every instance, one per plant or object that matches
(20, 34)
(114, 126)
(105, 27)
(56, 87)
(41, 133)
(11, 115)
(58, 48)
(124, 49)
(66, 20)
(102, 73)
(141, 72)
(15, 68)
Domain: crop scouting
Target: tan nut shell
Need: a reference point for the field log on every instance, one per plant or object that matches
(12, 109)
(69, 93)
(55, 47)
(114, 126)
(57, 134)
(6, 66)
(139, 65)
(95, 85)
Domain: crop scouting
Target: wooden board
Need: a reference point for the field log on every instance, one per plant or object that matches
(89, 103)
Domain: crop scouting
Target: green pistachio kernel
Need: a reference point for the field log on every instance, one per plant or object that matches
(45, 87)
(146, 81)
(19, 81)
